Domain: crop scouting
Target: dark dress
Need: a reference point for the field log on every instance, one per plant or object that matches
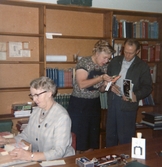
(84, 107)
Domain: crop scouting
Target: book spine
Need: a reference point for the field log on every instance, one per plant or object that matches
(151, 53)
(120, 30)
(115, 27)
(146, 29)
(134, 29)
(157, 52)
(153, 73)
(129, 29)
(65, 78)
(144, 51)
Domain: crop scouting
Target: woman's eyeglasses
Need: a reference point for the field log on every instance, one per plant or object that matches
(36, 95)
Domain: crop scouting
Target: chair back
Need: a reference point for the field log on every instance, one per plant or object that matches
(73, 140)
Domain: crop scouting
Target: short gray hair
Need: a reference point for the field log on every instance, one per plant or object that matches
(44, 83)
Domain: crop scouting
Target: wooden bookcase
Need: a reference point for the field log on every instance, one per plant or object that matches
(81, 27)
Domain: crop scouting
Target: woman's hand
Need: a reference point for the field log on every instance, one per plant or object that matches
(115, 78)
(20, 154)
(106, 78)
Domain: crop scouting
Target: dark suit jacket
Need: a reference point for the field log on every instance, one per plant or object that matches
(139, 73)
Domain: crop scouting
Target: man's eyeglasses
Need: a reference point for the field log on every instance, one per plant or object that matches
(36, 95)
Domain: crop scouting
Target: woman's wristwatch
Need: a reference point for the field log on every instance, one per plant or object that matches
(32, 155)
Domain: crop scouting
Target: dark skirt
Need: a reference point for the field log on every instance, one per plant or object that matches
(85, 115)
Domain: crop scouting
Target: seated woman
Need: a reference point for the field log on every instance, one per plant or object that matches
(49, 127)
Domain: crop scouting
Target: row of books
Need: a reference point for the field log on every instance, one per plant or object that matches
(148, 53)
(138, 29)
(152, 119)
(61, 77)
(63, 99)
(148, 101)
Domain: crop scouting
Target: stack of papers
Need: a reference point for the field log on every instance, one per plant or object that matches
(22, 113)
(56, 58)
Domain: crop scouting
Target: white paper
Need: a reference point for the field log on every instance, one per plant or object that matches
(52, 163)
(108, 86)
(4, 153)
(8, 136)
(26, 45)
(3, 47)
(14, 49)
(3, 55)
(138, 148)
(57, 58)
(25, 53)
(50, 35)
(10, 147)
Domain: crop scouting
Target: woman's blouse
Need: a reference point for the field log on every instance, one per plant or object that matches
(93, 70)
(51, 135)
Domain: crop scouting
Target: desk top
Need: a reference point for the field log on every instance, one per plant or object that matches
(152, 159)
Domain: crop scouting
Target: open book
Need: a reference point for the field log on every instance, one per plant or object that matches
(127, 88)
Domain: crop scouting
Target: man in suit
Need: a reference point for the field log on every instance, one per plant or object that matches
(121, 117)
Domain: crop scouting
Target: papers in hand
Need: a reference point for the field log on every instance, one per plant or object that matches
(108, 86)
(127, 88)
(10, 147)
(115, 78)
(3, 152)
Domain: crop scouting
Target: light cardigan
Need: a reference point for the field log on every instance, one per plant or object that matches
(52, 136)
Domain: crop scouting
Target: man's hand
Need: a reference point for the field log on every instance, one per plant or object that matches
(116, 89)
(128, 99)
(134, 99)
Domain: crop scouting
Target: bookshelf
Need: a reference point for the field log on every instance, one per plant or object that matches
(81, 27)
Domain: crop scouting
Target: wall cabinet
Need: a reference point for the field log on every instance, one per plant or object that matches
(81, 27)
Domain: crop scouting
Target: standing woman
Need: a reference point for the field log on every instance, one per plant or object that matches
(84, 106)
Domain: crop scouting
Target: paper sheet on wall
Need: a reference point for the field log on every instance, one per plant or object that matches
(3, 55)
(3, 47)
(25, 53)
(14, 49)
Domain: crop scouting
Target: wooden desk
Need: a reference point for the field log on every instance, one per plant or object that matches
(152, 159)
